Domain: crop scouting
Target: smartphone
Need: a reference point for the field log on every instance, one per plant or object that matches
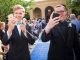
(55, 15)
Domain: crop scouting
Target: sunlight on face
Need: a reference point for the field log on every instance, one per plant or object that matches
(61, 10)
(19, 14)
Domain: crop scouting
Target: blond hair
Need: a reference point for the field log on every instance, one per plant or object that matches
(65, 7)
(1, 24)
(16, 7)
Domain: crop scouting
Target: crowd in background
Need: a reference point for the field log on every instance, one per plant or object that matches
(36, 26)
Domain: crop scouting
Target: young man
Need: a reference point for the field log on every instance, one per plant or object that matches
(17, 36)
(62, 35)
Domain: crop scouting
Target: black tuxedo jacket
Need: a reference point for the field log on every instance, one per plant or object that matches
(18, 45)
(63, 41)
(1, 34)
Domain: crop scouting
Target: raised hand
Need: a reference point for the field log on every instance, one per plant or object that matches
(11, 25)
(10, 17)
(24, 21)
(52, 23)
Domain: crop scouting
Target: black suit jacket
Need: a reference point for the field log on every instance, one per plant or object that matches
(63, 40)
(1, 34)
(18, 45)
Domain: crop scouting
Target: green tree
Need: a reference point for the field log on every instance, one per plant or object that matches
(74, 5)
(6, 7)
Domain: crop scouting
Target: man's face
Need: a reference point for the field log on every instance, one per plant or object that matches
(19, 14)
(61, 10)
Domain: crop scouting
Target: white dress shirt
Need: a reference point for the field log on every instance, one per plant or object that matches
(19, 30)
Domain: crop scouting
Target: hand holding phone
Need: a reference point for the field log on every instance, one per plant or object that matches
(55, 15)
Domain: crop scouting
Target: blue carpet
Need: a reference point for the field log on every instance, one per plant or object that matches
(40, 51)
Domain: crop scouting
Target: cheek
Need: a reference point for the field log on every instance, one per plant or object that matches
(22, 16)
(62, 17)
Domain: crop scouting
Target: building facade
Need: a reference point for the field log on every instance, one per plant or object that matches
(43, 9)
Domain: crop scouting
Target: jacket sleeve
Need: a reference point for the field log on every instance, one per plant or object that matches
(31, 39)
(45, 37)
(1, 35)
(76, 44)
(5, 39)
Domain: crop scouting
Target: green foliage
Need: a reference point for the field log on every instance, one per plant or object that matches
(74, 5)
(6, 7)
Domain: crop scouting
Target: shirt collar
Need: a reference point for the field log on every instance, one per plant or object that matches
(19, 22)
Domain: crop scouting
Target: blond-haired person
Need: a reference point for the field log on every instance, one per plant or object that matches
(17, 36)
